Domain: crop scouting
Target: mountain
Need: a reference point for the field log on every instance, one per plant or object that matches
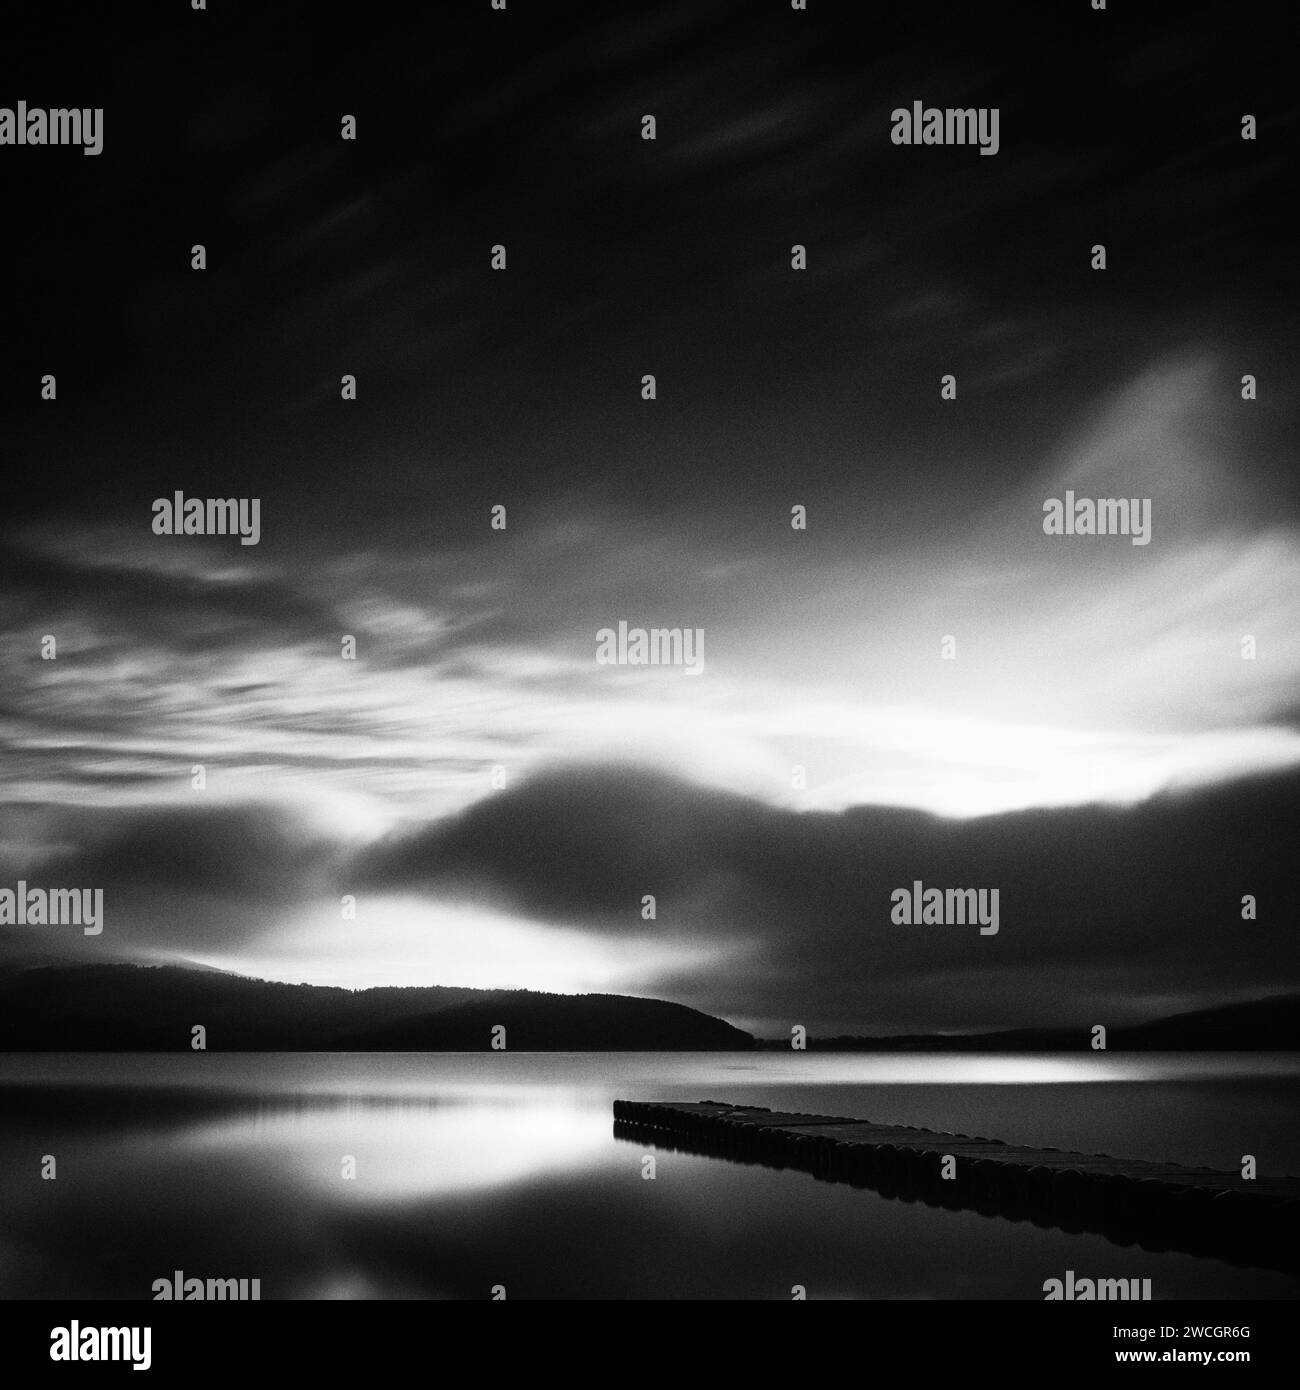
(124, 1008)
(1262, 1025)
(1266, 1025)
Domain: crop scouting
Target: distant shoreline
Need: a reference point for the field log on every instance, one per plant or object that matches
(133, 1008)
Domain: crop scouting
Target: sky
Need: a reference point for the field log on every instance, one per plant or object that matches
(496, 801)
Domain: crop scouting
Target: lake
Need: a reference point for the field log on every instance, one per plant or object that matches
(498, 1170)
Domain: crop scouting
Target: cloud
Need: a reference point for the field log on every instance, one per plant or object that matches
(1085, 669)
(179, 881)
(1098, 905)
(764, 915)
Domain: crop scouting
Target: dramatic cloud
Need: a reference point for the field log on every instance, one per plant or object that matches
(181, 882)
(766, 916)
(1102, 911)
(1077, 710)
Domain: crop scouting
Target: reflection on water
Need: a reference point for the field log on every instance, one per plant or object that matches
(475, 1170)
(408, 1148)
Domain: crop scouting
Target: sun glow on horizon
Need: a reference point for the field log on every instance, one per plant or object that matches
(404, 940)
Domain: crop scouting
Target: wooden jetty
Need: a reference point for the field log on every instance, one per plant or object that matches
(1159, 1206)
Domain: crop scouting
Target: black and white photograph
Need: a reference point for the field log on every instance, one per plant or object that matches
(651, 652)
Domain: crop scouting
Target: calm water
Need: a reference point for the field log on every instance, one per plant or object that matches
(475, 1170)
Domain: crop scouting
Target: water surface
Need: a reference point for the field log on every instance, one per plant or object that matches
(474, 1171)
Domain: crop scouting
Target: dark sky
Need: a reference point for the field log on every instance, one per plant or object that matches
(1090, 674)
